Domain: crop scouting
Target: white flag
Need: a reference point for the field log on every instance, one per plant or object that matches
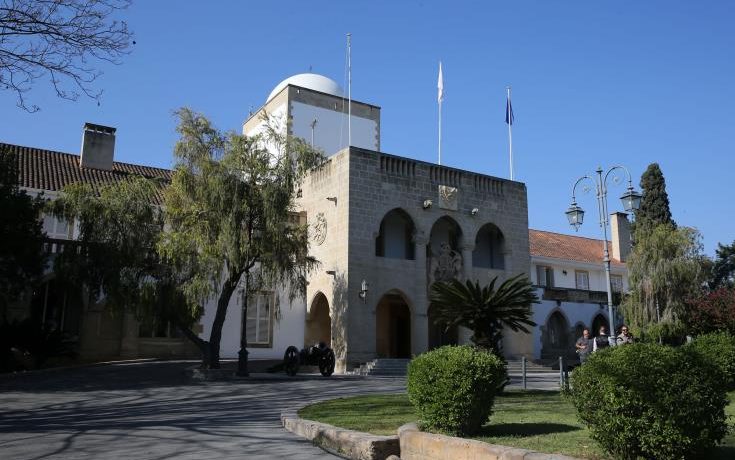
(440, 83)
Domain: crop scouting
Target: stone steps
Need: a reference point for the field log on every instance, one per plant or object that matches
(516, 367)
(384, 367)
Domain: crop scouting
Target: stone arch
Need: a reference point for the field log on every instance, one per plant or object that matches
(393, 325)
(395, 237)
(443, 250)
(489, 249)
(318, 326)
(598, 321)
(556, 336)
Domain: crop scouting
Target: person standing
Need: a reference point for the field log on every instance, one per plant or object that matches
(625, 337)
(602, 340)
(584, 346)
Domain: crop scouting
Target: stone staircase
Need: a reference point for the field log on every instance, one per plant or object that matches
(383, 367)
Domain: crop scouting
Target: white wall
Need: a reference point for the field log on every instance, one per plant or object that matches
(330, 132)
(289, 330)
(596, 273)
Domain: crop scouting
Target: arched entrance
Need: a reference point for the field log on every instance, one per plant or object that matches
(318, 322)
(443, 256)
(393, 327)
(599, 321)
(439, 335)
(555, 337)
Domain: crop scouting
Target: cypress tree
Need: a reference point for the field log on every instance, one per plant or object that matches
(654, 208)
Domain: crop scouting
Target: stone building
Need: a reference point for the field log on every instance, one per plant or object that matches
(384, 227)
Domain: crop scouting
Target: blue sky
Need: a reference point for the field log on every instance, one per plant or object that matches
(594, 83)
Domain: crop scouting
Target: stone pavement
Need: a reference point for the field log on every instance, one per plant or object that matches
(149, 411)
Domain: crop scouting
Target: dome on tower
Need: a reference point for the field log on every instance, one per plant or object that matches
(310, 81)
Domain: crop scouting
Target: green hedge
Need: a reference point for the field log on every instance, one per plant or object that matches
(453, 388)
(719, 349)
(650, 401)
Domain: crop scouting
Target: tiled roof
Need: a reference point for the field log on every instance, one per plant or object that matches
(567, 247)
(52, 171)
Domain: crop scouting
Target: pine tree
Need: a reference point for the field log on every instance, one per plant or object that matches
(654, 208)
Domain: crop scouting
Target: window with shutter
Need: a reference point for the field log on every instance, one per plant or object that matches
(583, 280)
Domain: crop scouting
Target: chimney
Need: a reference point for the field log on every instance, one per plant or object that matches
(98, 147)
(620, 227)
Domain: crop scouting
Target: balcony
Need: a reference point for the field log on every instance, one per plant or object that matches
(57, 246)
(574, 295)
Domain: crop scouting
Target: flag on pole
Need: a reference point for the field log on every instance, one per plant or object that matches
(509, 111)
(440, 84)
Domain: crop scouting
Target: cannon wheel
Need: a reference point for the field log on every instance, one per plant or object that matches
(291, 360)
(326, 363)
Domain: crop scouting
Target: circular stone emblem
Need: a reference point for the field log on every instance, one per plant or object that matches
(320, 229)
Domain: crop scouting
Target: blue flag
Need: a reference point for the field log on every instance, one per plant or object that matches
(509, 112)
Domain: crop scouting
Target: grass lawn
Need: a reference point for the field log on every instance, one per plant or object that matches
(541, 421)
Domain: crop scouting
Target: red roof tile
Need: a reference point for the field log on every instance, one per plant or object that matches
(567, 247)
(52, 171)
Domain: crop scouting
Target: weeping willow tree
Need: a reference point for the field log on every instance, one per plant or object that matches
(229, 216)
(664, 269)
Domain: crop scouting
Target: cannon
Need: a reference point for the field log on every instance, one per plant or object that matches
(318, 355)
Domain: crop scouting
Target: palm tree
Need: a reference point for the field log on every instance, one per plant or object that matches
(485, 310)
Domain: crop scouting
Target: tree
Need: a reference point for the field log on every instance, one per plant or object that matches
(723, 268)
(21, 237)
(664, 269)
(654, 209)
(711, 311)
(485, 310)
(114, 258)
(59, 39)
(229, 209)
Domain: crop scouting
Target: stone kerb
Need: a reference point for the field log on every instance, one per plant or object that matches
(417, 445)
(346, 443)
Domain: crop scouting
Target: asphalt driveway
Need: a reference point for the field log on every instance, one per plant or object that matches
(150, 411)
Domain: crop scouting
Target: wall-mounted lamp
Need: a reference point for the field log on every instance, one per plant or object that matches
(363, 290)
(474, 211)
(428, 204)
(565, 272)
(332, 198)
(332, 273)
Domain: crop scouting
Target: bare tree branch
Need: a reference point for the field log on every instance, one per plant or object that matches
(58, 40)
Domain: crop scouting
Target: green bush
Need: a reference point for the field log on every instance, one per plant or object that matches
(453, 388)
(650, 401)
(719, 349)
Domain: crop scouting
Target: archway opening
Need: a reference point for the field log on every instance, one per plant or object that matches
(393, 327)
(443, 256)
(318, 322)
(439, 335)
(489, 248)
(555, 340)
(395, 239)
(599, 321)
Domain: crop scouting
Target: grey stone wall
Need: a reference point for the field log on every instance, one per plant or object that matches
(367, 185)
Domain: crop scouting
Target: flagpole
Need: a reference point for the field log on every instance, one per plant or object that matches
(440, 98)
(440, 131)
(510, 134)
(349, 89)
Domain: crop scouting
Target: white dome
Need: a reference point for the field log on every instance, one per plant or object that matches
(311, 81)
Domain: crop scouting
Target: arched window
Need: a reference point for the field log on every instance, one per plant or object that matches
(489, 248)
(395, 238)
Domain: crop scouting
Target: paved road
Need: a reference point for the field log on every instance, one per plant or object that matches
(149, 411)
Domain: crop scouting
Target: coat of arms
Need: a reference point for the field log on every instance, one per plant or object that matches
(320, 229)
(448, 197)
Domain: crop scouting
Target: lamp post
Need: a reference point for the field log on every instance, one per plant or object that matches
(575, 214)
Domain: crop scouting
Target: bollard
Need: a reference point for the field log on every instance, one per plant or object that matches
(523, 371)
(561, 372)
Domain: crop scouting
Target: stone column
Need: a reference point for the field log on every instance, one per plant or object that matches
(467, 271)
(420, 324)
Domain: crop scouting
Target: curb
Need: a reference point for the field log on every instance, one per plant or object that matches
(419, 445)
(353, 445)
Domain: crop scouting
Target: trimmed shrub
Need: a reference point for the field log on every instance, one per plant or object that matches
(719, 349)
(650, 401)
(453, 388)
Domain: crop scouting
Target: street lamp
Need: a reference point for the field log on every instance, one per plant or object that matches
(631, 201)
